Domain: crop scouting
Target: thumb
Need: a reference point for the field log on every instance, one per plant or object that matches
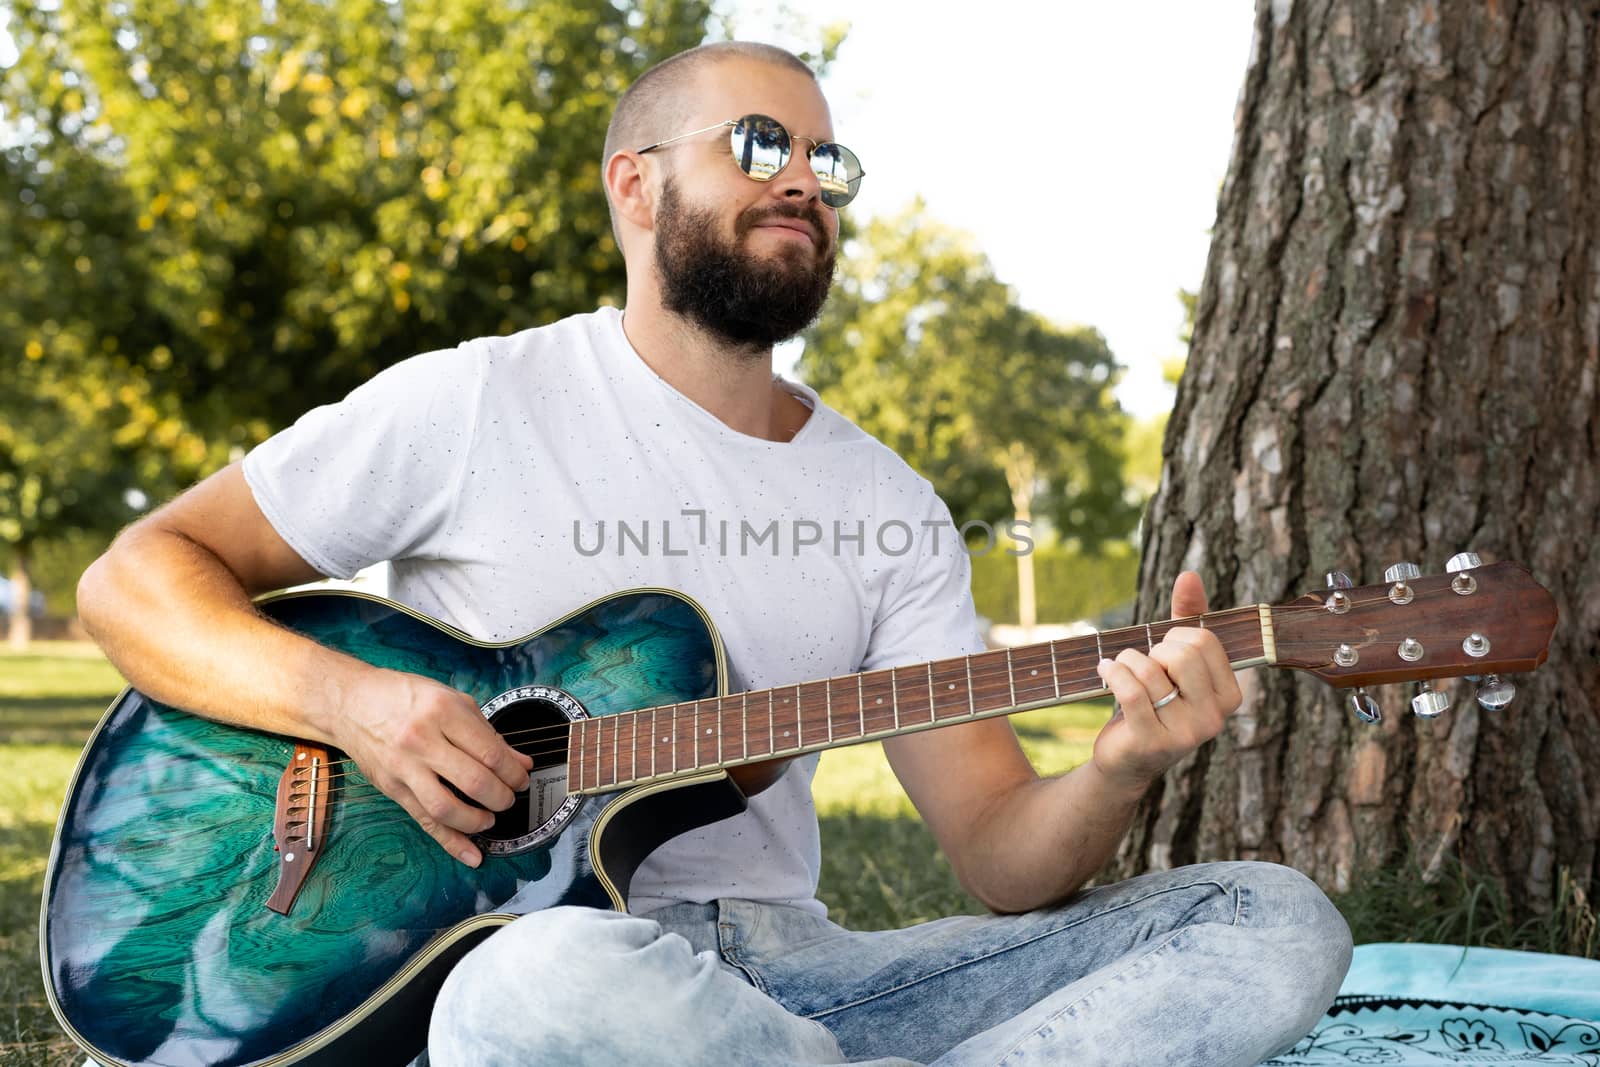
(1188, 596)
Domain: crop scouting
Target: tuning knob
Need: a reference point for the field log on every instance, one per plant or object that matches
(1365, 707)
(1429, 703)
(1458, 565)
(1402, 572)
(1339, 580)
(1495, 692)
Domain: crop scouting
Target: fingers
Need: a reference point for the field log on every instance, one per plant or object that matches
(421, 742)
(1222, 681)
(1132, 690)
(1188, 596)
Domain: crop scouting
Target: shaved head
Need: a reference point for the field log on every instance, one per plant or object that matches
(658, 102)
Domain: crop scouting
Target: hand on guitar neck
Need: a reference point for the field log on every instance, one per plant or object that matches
(1169, 702)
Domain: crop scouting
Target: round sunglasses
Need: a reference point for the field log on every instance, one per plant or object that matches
(761, 148)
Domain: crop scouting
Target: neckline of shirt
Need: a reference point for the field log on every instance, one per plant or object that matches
(636, 366)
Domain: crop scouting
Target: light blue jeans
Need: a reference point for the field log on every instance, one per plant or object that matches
(1216, 964)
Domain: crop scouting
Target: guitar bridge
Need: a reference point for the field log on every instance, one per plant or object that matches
(300, 821)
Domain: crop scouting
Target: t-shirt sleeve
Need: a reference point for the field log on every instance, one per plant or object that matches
(927, 612)
(375, 476)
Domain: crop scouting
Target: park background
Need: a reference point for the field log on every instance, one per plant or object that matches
(215, 216)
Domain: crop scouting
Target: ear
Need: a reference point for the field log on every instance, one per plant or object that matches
(630, 185)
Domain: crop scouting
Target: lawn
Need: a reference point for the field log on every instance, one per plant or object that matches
(880, 865)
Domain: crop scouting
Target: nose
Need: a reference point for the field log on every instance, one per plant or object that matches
(797, 181)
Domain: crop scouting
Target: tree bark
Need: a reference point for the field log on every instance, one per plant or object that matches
(1021, 474)
(1395, 358)
(19, 632)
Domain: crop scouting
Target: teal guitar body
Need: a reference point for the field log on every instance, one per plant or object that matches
(157, 940)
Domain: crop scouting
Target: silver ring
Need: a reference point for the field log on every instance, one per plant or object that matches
(1164, 701)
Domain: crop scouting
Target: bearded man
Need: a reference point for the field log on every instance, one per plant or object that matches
(471, 469)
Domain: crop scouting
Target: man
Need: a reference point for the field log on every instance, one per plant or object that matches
(469, 467)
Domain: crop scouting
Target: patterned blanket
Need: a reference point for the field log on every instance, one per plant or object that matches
(1411, 1005)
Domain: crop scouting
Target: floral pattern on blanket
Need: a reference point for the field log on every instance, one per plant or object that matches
(1413, 1033)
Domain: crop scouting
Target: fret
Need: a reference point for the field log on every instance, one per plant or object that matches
(580, 751)
(950, 677)
(972, 708)
(744, 726)
(1055, 673)
(1149, 639)
(753, 745)
(827, 701)
(861, 704)
(772, 731)
(633, 747)
(708, 732)
(810, 732)
(933, 702)
(1033, 677)
(894, 698)
(913, 705)
(1011, 678)
(791, 725)
(1118, 640)
(882, 720)
(616, 740)
(1078, 667)
(683, 739)
(653, 745)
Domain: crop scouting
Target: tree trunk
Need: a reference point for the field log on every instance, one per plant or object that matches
(1021, 474)
(1395, 358)
(20, 631)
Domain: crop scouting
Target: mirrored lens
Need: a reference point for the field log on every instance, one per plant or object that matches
(760, 146)
(838, 171)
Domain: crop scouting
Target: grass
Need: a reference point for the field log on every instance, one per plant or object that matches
(50, 698)
(880, 866)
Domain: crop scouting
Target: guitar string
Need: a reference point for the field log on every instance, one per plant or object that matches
(551, 731)
(539, 735)
(364, 790)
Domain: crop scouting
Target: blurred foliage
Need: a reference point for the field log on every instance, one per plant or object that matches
(928, 351)
(1071, 584)
(215, 216)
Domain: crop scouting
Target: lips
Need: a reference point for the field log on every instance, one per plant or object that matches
(799, 226)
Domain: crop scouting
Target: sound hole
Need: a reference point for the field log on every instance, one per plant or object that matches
(537, 725)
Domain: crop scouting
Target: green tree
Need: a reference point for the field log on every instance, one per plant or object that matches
(215, 216)
(1006, 413)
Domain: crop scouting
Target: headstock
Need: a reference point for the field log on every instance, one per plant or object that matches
(1475, 621)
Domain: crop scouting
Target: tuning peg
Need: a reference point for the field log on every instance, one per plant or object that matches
(1400, 574)
(1495, 692)
(1365, 707)
(1462, 583)
(1429, 703)
(1338, 601)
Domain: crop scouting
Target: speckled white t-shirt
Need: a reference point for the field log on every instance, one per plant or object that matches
(515, 479)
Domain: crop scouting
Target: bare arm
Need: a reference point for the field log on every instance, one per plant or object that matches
(1019, 842)
(170, 603)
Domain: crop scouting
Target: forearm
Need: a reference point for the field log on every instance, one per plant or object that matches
(178, 624)
(1041, 841)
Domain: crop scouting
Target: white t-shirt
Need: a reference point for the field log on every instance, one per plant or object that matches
(495, 475)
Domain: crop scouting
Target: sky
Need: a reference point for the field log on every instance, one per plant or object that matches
(1098, 224)
(1102, 222)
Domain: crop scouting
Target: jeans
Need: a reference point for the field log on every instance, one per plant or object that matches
(1215, 964)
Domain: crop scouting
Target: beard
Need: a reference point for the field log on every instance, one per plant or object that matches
(747, 300)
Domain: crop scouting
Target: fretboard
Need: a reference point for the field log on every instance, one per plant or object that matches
(631, 748)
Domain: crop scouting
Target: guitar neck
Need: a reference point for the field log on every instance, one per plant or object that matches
(679, 741)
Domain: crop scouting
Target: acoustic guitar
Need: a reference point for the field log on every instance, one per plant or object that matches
(220, 896)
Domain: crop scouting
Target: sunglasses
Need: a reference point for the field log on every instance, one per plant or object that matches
(761, 148)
